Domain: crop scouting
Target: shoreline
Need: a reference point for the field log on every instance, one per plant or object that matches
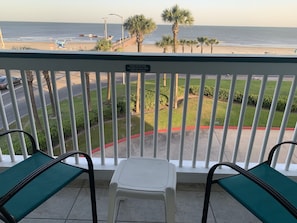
(151, 48)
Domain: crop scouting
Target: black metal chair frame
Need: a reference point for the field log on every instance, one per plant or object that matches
(283, 201)
(5, 216)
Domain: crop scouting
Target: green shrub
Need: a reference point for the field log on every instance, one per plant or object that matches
(194, 90)
(223, 94)
(238, 96)
(54, 134)
(132, 105)
(149, 100)
(80, 121)
(208, 91)
(294, 105)
(93, 116)
(281, 104)
(252, 100)
(42, 141)
(267, 102)
(121, 106)
(67, 128)
(163, 99)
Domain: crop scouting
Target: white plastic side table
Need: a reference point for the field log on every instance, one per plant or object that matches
(145, 178)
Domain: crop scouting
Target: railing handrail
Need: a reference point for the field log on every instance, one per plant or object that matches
(266, 64)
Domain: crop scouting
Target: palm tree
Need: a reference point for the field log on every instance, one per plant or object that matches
(202, 41)
(191, 43)
(164, 43)
(104, 45)
(177, 16)
(183, 42)
(139, 26)
(213, 42)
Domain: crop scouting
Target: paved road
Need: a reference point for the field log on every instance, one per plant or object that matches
(62, 92)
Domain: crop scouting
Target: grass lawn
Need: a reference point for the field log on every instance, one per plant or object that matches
(191, 119)
(192, 110)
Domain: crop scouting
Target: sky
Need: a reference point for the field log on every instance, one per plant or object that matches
(273, 13)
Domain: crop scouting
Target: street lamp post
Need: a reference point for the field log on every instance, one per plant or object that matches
(105, 27)
(122, 19)
(122, 38)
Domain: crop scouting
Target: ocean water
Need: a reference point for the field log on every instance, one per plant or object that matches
(227, 35)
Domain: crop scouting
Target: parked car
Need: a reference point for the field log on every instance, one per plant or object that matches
(4, 83)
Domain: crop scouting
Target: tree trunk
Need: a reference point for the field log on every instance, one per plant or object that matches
(108, 85)
(137, 94)
(164, 79)
(139, 47)
(49, 87)
(30, 79)
(176, 91)
(175, 41)
(88, 90)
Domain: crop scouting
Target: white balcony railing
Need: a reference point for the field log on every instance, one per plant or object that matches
(67, 71)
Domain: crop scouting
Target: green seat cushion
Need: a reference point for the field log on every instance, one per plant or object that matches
(257, 200)
(38, 190)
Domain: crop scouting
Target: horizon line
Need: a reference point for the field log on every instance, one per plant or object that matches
(161, 24)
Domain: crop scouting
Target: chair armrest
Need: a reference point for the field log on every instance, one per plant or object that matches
(276, 147)
(283, 201)
(40, 170)
(32, 140)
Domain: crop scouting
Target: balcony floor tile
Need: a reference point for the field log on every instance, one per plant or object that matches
(72, 205)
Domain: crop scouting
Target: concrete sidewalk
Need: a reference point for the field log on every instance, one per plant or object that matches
(203, 144)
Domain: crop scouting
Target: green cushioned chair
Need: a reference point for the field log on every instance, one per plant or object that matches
(29, 183)
(265, 192)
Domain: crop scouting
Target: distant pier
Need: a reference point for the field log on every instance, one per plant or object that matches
(120, 44)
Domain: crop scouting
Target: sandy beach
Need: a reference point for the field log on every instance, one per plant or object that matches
(150, 48)
(219, 50)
